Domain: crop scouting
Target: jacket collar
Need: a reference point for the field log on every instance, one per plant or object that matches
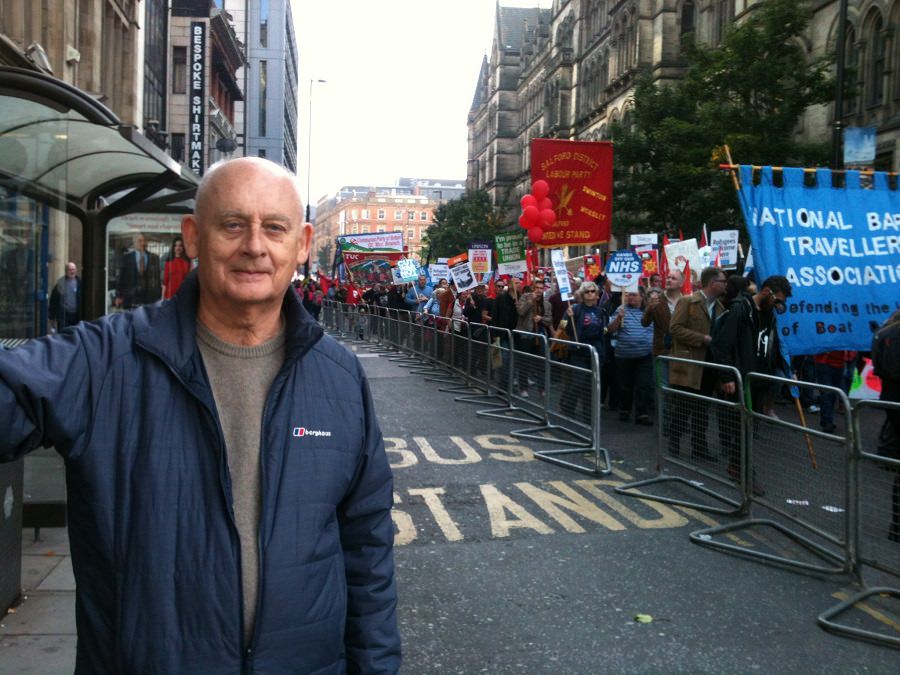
(169, 330)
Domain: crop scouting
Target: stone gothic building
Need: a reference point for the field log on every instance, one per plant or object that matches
(569, 71)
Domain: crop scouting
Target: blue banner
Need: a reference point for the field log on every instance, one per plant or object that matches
(839, 248)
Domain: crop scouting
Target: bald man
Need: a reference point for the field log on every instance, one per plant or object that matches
(229, 493)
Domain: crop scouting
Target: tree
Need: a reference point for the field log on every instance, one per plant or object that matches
(325, 257)
(749, 93)
(460, 221)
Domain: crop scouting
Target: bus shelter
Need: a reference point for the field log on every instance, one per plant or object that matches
(69, 168)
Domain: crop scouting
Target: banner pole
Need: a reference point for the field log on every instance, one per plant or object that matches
(732, 171)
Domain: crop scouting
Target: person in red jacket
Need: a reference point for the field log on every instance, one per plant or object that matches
(178, 266)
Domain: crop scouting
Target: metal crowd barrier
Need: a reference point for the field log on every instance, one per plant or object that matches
(809, 483)
(804, 478)
(687, 415)
(875, 528)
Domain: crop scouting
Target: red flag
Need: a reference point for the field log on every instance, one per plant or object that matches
(703, 240)
(680, 234)
(686, 287)
(491, 288)
(718, 261)
(324, 283)
(664, 259)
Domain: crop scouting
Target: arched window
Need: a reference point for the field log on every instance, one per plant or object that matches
(687, 17)
(724, 15)
(876, 55)
(851, 67)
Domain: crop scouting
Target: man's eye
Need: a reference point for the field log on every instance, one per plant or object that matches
(276, 227)
(232, 225)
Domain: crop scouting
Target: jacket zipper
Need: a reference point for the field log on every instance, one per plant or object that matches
(223, 469)
(248, 653)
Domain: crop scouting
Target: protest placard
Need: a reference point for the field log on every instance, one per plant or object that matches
(725, 243)
(511, 253)
(561, 273)
(649, 256)
(592, 267)
(682, 252)
(461, 271)
(623, 268)
(408, 270)
(643, 240)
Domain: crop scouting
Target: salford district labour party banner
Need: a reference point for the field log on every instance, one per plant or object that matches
(839, 248)
(580, 177)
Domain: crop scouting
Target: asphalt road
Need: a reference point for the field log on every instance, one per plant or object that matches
(507, 564)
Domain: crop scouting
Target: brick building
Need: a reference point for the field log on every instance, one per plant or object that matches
(407, 207)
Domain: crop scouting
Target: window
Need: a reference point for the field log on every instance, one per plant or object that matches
(410, 215)
(354, 215)
(365, 229)
(875, 85)
(261, 153)
(264, 23)
(381, 228)
(398, 215)
(410, 235)
(354, 229)
(263, 68)
(851, 63)
(380, 214)
(365, 214)
(179, 70)
(178, 147)
(423, 216)
(687, 17)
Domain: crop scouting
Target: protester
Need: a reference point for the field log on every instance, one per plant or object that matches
(534, 317)
(139, 281)
(691, 328)
(634, 362)
(189, 556)
(748, 341)
(886, 363)
(830, 371)
(66, 299)
(312, 300)
(419, 294)
(587, 324)
(658, 313)
(177, 267)
(609, 390)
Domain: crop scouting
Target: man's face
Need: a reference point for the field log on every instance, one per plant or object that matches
(248, 234)
(500, 287)
(140, 243)
(655, 281)
(480, 290)
(674, 280)
(716, 287)
(421, 281)
(71, 270)
(633, 299)
(538, 288)
(774, 302)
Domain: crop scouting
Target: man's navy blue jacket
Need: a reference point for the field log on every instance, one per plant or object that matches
(127, 403)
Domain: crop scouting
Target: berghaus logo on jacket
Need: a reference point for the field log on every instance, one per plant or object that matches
(300, 432)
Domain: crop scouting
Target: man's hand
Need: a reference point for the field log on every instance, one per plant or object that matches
(117, 302)
(707, 339)
(570, 312)
(728, 388)
(653, 300)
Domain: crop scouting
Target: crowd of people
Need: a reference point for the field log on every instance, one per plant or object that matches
(725, 320)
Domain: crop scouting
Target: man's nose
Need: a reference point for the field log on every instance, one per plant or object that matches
(254, 244)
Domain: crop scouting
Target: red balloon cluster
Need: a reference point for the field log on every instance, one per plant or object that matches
(537, 211)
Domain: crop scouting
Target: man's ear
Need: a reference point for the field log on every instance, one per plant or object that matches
(190, 233)
(305, 241)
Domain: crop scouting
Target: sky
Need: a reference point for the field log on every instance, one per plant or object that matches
(399, 76)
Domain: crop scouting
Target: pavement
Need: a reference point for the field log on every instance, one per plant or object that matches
(506, 564)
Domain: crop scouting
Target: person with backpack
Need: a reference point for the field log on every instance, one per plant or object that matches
(886, 363)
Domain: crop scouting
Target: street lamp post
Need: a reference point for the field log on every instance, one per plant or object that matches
(309, 145)
(837, 158)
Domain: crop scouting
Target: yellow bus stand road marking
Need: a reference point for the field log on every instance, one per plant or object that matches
(432, 497)
(871, 611)
(402, 454)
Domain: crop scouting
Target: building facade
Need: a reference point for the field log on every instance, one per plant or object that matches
(407, 207)
(569, 72)
(204, 87)
(267, 119)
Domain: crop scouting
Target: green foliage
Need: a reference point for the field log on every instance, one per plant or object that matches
(461, 221)
(325, 257)
(748, 93)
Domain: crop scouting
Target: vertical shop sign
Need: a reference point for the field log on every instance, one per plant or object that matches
(197, 107)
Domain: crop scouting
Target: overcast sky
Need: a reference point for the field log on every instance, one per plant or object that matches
(400, 77)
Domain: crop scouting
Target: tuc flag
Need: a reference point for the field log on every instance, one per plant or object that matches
(580, 177)
(838, 246)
